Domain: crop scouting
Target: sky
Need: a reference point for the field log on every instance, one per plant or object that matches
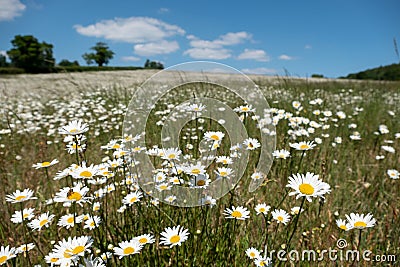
(287, 37)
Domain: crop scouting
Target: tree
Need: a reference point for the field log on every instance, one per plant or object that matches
(101, 56)
(3, 61)
(67, 63)
(153, 65)
(27, 53)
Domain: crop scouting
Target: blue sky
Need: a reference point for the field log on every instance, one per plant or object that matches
(333, 38)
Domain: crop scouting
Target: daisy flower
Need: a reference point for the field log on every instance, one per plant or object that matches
(92, 222)
(27, 214)
(200, 181)
(145, 239)
(6, 253)
(45, 164)
(131, 198)
(163, 186)
(67, 221)
(25, 247)
(223, 172)
(126, 248)
(388, 149)
(20, 196)
(344, 225)
(208, 200)
(86, 172)
(195, 169)
(244, 109)
(307, 186)
(251, 143)
(257, 176)
(90, 262)
(43, 220)
(303, 146)
(174, 236)
(224, 160)
(262, 208)
(76, 194)
(280, 216)
(361, 221)
(239, 213)
(170, 199)
(263, 261)
(196, 107)
(394, 174)
(171, 154)
(214, 136)
(295, 210)
(281, 154)
(252, 253)
(74, 128)
(69, 250)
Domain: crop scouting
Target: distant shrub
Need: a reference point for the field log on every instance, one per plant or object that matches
(11, 70)
(317, 76)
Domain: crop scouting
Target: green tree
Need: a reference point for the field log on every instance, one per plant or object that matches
(67, 63)
(3, 61)
(27, 53)
(153, 65)
(101, 56)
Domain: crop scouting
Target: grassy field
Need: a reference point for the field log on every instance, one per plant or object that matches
(89, 209)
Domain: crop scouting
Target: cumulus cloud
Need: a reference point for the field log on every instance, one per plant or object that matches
(10, 9)
(215, 49)
(130, 58)
(285, 57)
(208, 53)
(259, 71)
(258, 55)
(156, 48)
(131, 30)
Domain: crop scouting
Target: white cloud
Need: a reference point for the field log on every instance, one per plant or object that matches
(307, 47)
(130, 58)
(258, 55)
(285, 57)
(131, 30)
(259, 71)
(156, 48)
(208, 53)
(9, 9)
(215, 49)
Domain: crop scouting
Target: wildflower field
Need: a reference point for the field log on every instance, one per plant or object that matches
(70, 194)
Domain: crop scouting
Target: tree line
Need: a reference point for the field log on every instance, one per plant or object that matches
(31, 56)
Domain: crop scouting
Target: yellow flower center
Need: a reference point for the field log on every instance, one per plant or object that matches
(86, 174)
(304, 146)
(25, 215)
(223, 173)
(19, 198)
(262, 209)
(70, 220)
(3, 259)
(236, 214)
(360, 224)
(252, 254)
(133, 199)
(43, 222)
(78, 249)
(175, 239)
(143, 240)
(163, 187)
(73, 130)
(245, 109)
(45, 164)
(306, 189)
(250, 145)
(136, 148)
(172, 156)
(196, 171)
(214, 137)
(91, 224)
(116, 146)
(129, 250)
(343, 227)
(280, 218)
(75, 196)
(201, 182)
(53, 259)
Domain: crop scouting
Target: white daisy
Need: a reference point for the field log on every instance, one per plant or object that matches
(132, 198)
(280, 216)
(45, 164)
(262, 208)
(27, 214)
(43, 220)
(74, 128)
(307, 186)
(251, 143)
(394, 174)
(6, 253)
(361, 221)
(343, 224)
(239, 213)
(20, 196)
(174, 236)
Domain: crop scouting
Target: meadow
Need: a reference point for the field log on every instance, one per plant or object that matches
(70, 194)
